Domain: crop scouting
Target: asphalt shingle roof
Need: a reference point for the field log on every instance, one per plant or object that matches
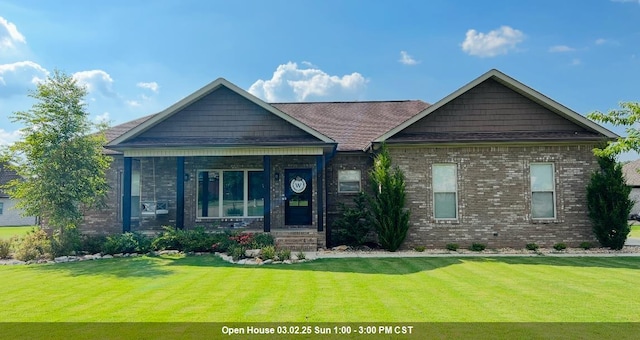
(630, 172)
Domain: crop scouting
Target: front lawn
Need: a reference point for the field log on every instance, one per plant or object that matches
(8, 232)
(328, 290)
(635, 231)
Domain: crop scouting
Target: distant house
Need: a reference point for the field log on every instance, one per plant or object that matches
(632, 177)
(9, 215)
(494, 162)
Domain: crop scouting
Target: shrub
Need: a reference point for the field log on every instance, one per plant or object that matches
(608, 203)
(5, 248)
(34, 245)
(559, 246)
(388, 214)
(300, 255)
(126, 243)
(236, 252)
(197, 239)
(586, 245)
(532, 246)
(268, 252)
(284, 254)
(452, 246)
(420, 248)
(353, 225)
(261, 240)
(66, 241)
(477, 247)
(92, 244)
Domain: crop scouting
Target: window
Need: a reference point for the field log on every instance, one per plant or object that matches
(231, 194)
(348, 181)
(542, 191)
(445, 195)
(1, 208)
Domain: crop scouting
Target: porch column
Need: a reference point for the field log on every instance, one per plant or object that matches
(320, 190)
(266, 162)
(180, 192)
(126, 196)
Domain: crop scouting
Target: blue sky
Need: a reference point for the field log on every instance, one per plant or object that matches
(139, 57)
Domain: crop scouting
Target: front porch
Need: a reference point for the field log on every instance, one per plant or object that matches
(281, 194)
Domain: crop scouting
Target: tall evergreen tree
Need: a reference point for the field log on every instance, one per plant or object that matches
(389, 216)
(59, 156)
(609, 203)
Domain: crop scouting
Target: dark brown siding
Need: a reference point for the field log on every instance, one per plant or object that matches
(223, 114)
(491, 107)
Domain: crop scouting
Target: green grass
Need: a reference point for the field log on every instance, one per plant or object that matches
(8, 232)
(205, 288)
(635, 231)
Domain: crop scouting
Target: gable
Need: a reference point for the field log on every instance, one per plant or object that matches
(492, 107)
(224, 115)
(219, 114)
(496, 107)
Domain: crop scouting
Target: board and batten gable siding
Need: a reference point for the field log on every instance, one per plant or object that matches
(491, 107)
(223, 114)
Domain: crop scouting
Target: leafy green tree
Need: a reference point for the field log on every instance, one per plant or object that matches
(628, 115)
(59, 156)
(609, 203)
(388, 214)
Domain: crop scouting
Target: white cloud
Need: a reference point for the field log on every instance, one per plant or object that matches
(133, 103)
(406, 59)
(153, 86)
(307, 83)
(103, 118)
(9, 35)
(561, 48)
(17, 78)
(576, 62)
(8, 137)
(601, 41)
(491, 44)
(95, 81)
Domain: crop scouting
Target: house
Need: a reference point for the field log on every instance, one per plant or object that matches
(9, 214)
(632, 178)
(494, 162)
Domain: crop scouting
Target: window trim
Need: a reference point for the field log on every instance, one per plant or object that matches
(1, 208)
(433, 192)
(359, 181)
(245, 192)
(553, 192)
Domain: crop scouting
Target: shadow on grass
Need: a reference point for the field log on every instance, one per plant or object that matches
(410, 265)
(160, 266)
(124, 267)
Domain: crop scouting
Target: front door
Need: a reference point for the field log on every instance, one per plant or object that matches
(298, 193)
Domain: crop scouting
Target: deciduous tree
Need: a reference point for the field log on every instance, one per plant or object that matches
(59, 155)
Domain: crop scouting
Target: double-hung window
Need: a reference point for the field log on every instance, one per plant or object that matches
(349, 181)
(445, 191)
(230, 193)
(543, 195)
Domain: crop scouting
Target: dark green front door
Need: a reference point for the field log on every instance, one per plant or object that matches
(298, 193)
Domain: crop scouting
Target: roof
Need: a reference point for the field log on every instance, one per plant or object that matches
(630, 172)
(514, 85)
(6, 175)
(353, 125)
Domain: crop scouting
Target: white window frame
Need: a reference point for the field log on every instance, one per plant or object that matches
(245, 183)
(342, 173)
(553, 191)
(434, 192)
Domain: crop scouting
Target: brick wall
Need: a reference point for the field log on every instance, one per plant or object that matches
(494, 199)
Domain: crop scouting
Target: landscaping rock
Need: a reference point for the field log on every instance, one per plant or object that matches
(168, 252)
(252, 252)
(267, 261)
(61, 259)
(16, 262)
(259, 260)
(107, 256)
(340, 248)
(118, 255)
(287, 262)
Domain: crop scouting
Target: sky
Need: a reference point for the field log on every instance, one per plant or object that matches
(139, 57)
